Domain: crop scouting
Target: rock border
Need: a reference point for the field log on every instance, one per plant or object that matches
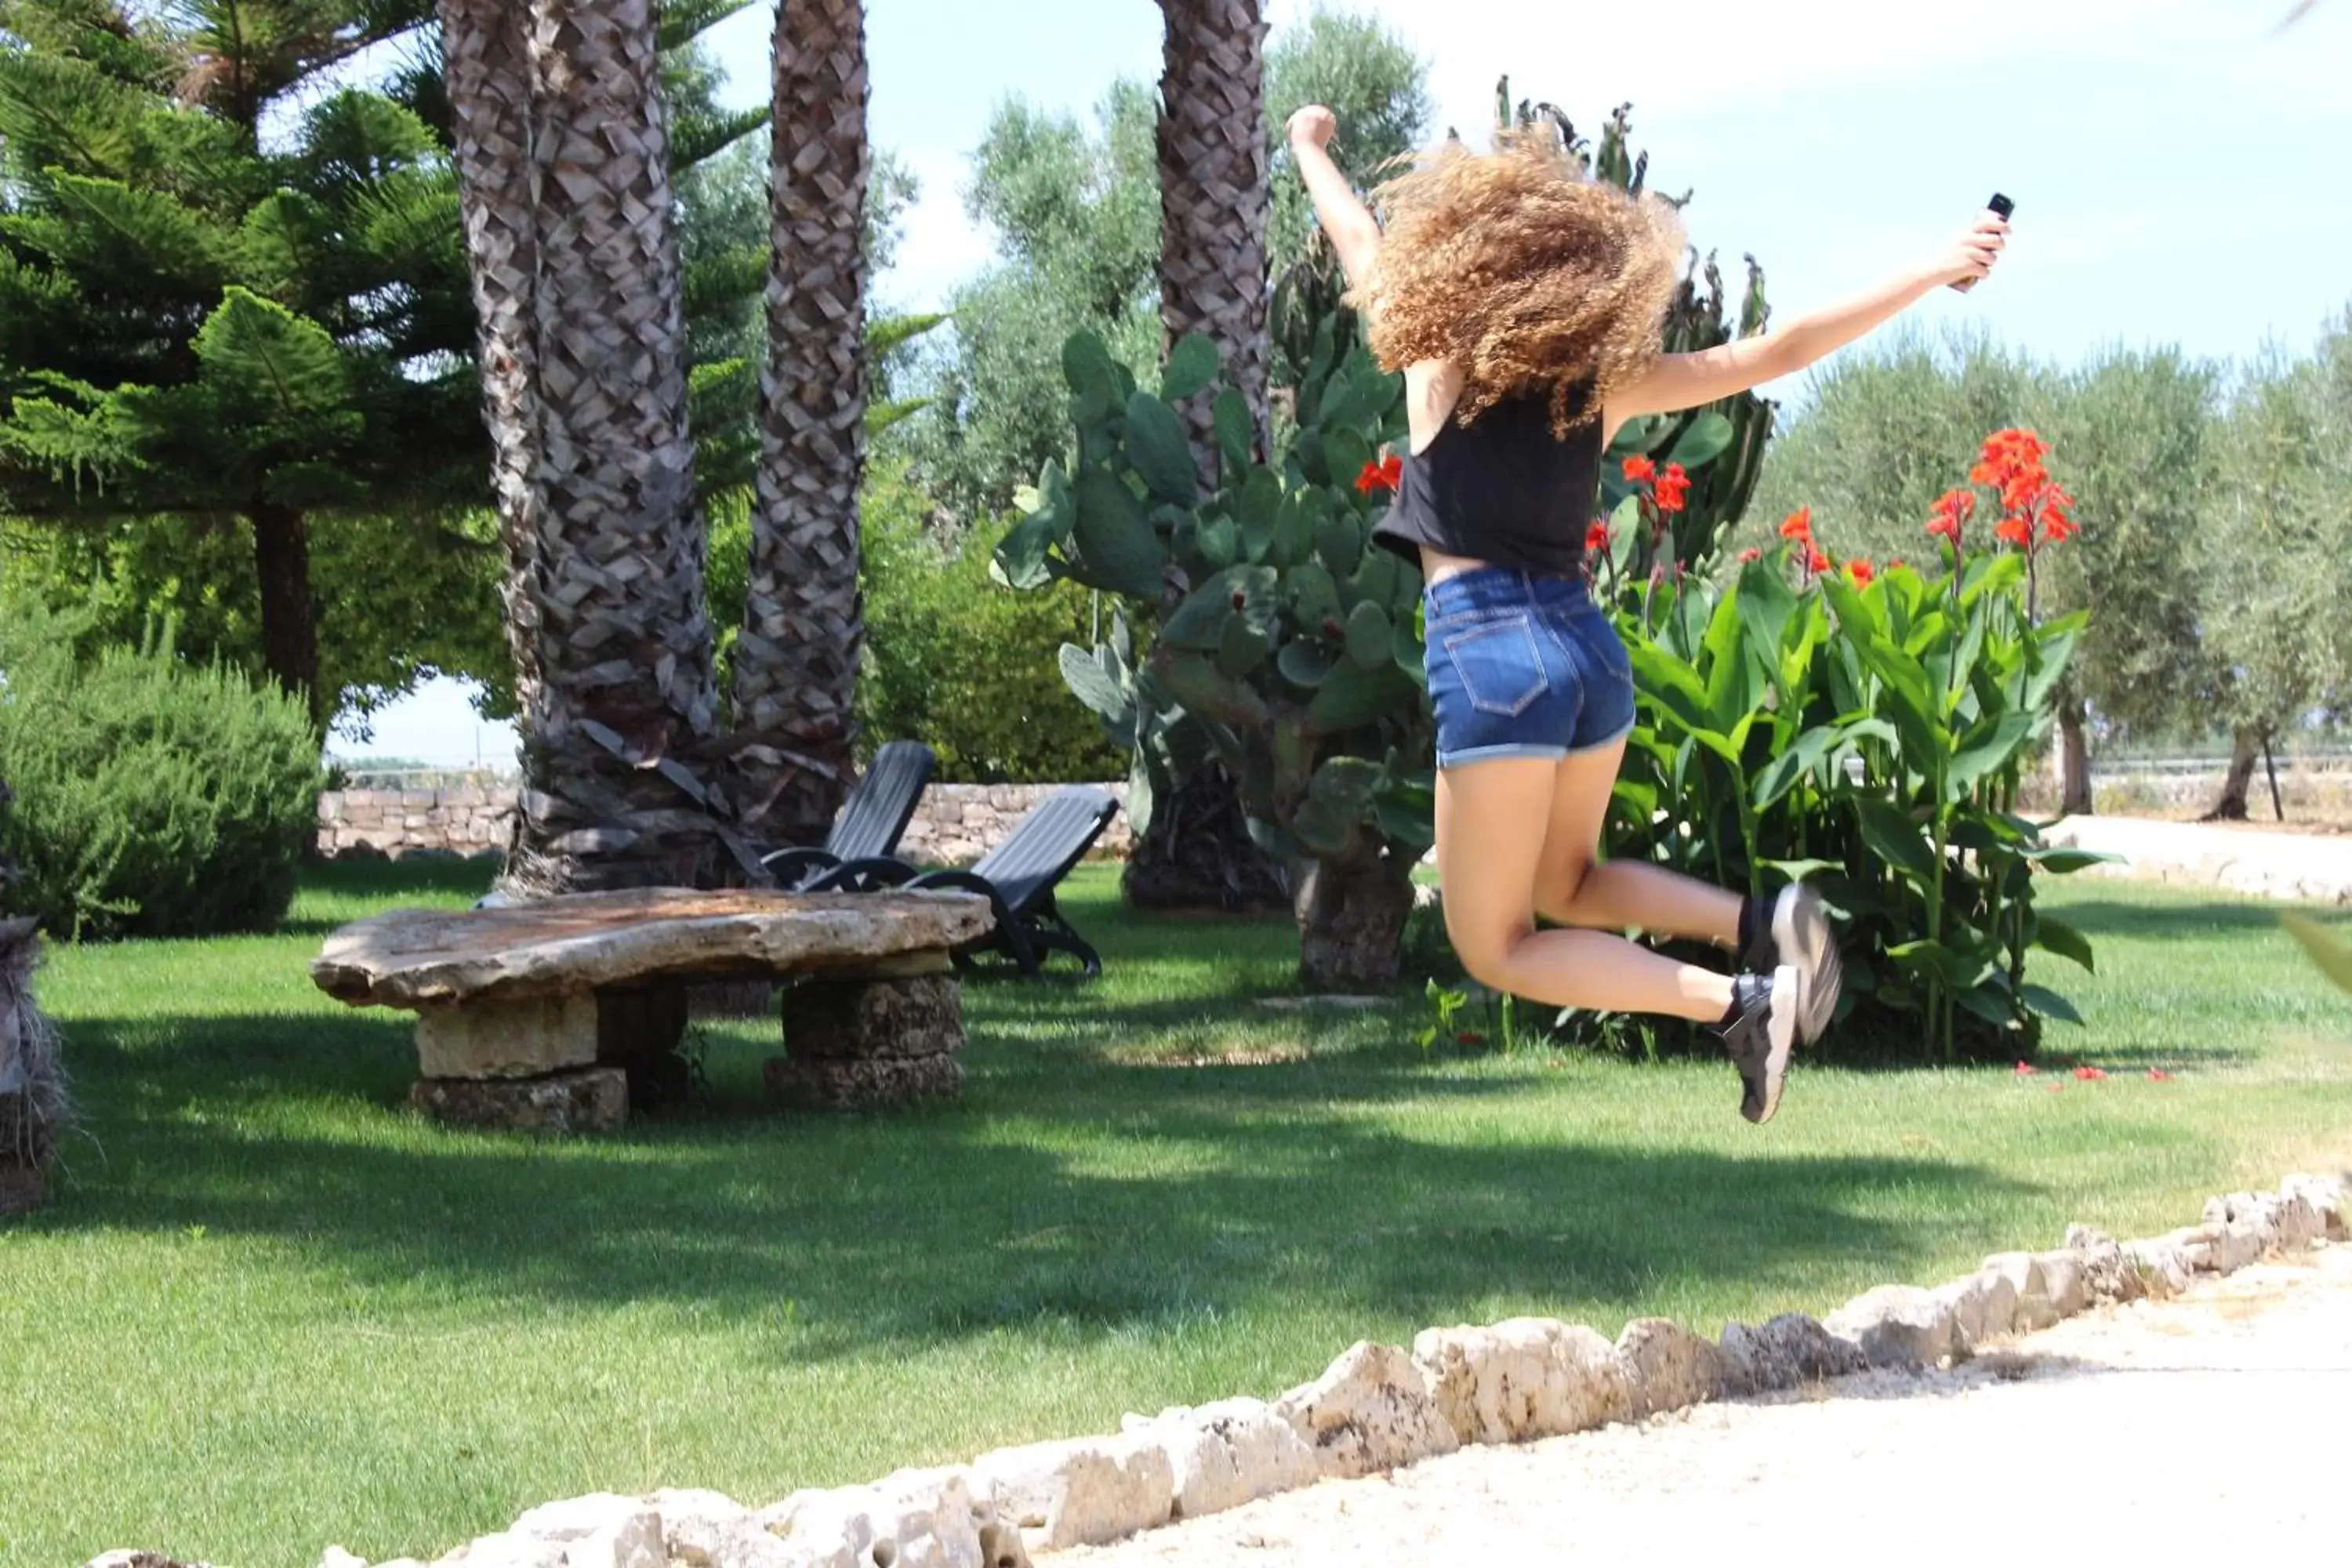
(1380, 1407)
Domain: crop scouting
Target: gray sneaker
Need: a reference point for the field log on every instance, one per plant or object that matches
(1762, 1033)
(1799, 934)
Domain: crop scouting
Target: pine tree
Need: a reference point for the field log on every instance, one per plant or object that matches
(234, 297)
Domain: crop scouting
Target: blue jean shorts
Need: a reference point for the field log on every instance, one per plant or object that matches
(1523, 666)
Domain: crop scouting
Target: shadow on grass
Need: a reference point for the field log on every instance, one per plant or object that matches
(1093, 1201)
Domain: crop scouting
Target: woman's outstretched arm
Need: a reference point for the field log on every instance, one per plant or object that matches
(1355, 234)
(1685, 380)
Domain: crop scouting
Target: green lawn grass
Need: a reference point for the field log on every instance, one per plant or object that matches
(268, 1309)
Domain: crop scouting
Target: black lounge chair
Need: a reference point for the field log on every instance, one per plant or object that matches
(1017, 877)
(871, 822)
(872, 819)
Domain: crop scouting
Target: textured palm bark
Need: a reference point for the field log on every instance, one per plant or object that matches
(563, 159)
(1214, 198)
(796, 661)
(1196, 852)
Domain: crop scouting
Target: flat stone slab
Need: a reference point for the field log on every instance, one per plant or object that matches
(422, 958)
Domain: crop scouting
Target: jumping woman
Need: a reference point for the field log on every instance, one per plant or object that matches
(1524, 302)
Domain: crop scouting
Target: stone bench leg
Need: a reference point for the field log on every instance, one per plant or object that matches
(867, 1040)
(551, 1064)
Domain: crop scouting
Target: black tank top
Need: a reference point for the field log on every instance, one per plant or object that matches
(1502, 489)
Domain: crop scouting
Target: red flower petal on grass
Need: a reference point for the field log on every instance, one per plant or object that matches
(2158, 1075)
(2026, 1069)
(1469, 1037)
(2090, 1074)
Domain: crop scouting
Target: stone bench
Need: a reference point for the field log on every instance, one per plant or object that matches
(548, 1014)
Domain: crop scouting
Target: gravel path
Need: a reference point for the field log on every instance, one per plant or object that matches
(2136, 1434)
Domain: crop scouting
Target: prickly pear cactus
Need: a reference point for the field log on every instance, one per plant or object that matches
(1293, 651)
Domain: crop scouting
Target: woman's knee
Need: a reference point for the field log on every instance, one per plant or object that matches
(1485, 949)
(1557, 893)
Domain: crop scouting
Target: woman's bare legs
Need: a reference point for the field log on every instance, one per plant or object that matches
(1574, 889)
(1506, 827)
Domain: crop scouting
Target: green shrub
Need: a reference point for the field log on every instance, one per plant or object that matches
(153, 798)
(957, 659)
(1865, 733)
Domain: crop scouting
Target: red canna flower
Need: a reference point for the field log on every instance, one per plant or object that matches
(1384, 474)
(1596, 538)
(1673, 489)
(2015, 529)
(1750, 556)
(1640, 470)
(1798, 524)
(1894, 563)
(1953, 510)
(2090, 1074)
(1861, 572)
(1817, 562)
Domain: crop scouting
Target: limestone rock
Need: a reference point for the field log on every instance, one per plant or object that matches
(593, 1101)
(2030, 1282)
(1667, 1367)
(2242, 1246)
(1371, 1411)
(2064, 1277)
(527, 1038)
(1083, 1492)
(826, 1084)
(2328, 1194)
(2300, 1223)
(1790, 1350)
(2197, 1246)
(2254, 1214)
(1983, 1307)
(587, 942)
(1230, 1453)
(597, 1532)
(1897, 1325)
(2106, 1274)
(135, 1557)
(917, 1016)
(2161, 1267)
(711, 1529)
(1523, 1379)
(336, 1557)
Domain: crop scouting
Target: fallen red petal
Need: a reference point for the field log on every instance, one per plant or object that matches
(2026, 1069)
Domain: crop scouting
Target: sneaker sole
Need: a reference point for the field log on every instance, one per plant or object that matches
(1783, 1027)
(1802, 934)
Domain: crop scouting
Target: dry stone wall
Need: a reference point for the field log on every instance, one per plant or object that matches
(954, 825)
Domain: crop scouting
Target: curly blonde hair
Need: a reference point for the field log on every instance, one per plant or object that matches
(1521, 269)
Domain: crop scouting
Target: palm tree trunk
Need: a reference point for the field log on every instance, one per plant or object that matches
(486, 62)
(564, 161)
(1214, 198)
(796, 662)
(1196, 852)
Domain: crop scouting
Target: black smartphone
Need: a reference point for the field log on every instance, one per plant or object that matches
(2001, 206)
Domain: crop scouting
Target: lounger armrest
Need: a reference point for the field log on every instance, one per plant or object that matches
(863, 876)
(793, 868)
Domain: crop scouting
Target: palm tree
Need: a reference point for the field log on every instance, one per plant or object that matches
(1214, 201)
(564, 163)
(1214, 198)
(796, 662)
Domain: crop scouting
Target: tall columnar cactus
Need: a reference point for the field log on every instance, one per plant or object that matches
(1726, 439)
(1294, 652)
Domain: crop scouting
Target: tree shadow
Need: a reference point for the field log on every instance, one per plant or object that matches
(1153, 1201)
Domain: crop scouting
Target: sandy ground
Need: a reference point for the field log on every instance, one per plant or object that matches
(2259, 865)
(2217, 1422)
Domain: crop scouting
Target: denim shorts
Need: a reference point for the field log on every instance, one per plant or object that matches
(1523, 666)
